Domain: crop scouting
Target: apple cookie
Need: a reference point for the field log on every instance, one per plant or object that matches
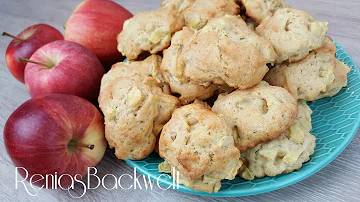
(258, 114)
(197, 13)
(293, 33)
(135, 112)
(226, 51)
(149, 31)
(259, 10)
(171, 68)
(137, 70)
(199, 144)
(283, 155)
(310, 78)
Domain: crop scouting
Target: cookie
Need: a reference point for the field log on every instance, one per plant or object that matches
(293, 33)
(149, 31)
(226, 51)
(309, 78)
(197, 13)
(283, 155)
(257, 115)
(138, 70)
(199, 144)
(135, 112)
(171, 68)
(259, 10)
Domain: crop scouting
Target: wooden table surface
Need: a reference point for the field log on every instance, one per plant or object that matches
(339, 181)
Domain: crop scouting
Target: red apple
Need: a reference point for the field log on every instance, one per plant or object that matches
(55, 133)
(64, 67)
(95, 24)
(25, 44)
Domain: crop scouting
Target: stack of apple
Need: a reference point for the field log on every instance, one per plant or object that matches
(59, 129)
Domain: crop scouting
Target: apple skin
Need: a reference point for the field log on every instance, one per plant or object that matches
(32, 38)
(95, 24)
(75, 70)
(37, 135)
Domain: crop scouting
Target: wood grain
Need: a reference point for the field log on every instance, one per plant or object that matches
(339, 181)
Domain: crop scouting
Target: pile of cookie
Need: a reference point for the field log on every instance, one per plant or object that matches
(223, 90)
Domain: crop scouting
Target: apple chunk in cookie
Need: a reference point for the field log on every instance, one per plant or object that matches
(199, 144)
(226, 51)
(258, 114)
(341, 70)
(135, 112)
(149, 31)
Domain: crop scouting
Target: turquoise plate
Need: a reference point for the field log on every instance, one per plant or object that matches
(335, 122)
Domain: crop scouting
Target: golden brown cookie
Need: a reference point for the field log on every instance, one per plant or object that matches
(199, 144)
(172, 69)
(226, 51)
(309, 78)
(283, 155)
(135, 112)
(257, 115)
(198, 12)
(138, 70)
(149, 31)
(293, 33)
(259, 10)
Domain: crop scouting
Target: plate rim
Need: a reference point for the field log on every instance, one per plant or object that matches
(284, 183)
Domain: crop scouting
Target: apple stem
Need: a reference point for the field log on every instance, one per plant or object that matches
(10, 35)
(31, 61)
(89, 146)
